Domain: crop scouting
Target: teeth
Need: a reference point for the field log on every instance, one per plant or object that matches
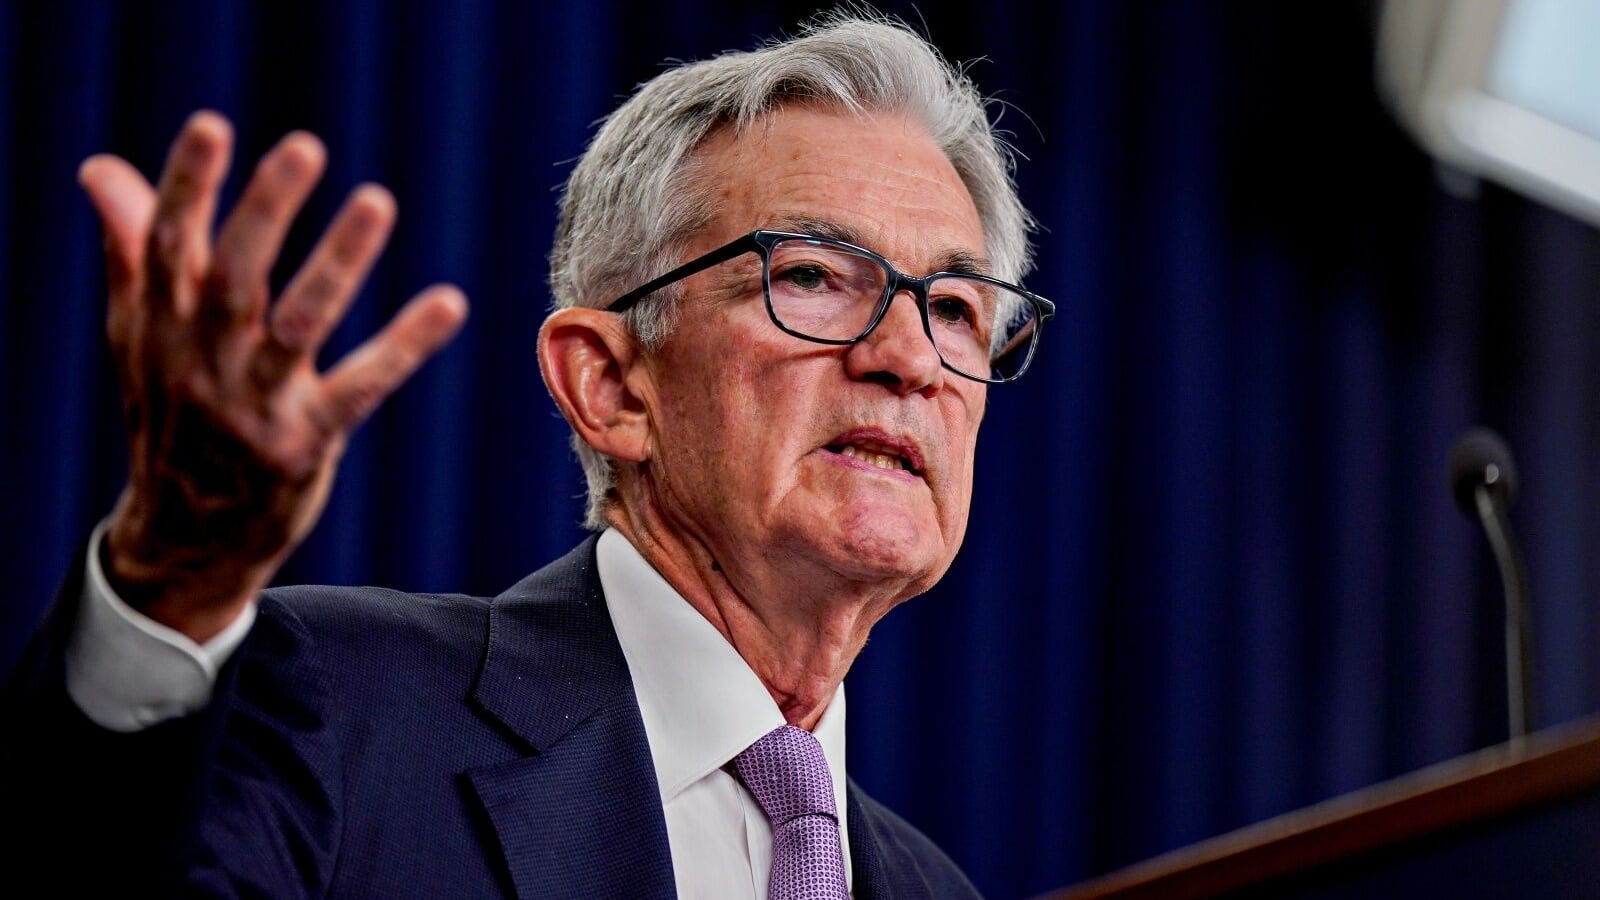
(881, 460)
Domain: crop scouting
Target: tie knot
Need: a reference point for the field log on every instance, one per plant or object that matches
(787, 772)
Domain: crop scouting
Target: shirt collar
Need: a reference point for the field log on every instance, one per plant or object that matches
(699, 699)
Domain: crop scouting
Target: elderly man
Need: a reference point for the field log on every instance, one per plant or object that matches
(783, 282)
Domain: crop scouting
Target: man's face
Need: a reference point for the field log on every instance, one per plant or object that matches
(777, 452)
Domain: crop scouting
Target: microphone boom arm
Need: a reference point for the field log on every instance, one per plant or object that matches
(1514, 581)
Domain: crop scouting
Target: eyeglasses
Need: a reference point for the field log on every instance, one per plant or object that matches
(832, 292)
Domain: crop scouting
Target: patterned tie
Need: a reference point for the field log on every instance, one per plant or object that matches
(788, 774)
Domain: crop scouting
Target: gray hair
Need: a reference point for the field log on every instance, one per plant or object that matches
(631, 201)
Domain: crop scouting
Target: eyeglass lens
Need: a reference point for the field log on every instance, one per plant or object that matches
(830, 292)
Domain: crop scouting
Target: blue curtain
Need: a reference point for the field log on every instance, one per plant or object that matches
(1214, 572)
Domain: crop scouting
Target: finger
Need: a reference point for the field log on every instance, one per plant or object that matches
(361, 381)
(186, 203)
(253, 233)
(125, 203)
(316, 299)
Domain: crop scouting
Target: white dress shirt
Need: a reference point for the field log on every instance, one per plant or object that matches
(700, 702)
(702, 705)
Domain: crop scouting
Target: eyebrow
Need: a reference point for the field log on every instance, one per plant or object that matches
(962, 262)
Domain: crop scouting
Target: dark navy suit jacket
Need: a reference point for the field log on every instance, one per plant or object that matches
(369, 743)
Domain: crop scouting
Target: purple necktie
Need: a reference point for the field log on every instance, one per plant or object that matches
(788, 774)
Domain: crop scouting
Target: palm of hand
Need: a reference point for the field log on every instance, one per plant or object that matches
(234, 435)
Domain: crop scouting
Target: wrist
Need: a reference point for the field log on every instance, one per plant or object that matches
(196, 590)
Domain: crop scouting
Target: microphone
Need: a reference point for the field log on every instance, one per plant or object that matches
(1484, 481)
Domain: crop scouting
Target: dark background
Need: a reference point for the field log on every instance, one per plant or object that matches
(1214, 572)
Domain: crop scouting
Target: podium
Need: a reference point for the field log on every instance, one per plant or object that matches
(1516, 820)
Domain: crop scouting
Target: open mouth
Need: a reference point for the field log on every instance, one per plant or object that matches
(879, 454)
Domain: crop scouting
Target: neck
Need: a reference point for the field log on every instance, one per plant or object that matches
(799, 631)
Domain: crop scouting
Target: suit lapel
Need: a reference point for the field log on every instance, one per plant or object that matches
(891, 859)
(583, 812)
(869, 880)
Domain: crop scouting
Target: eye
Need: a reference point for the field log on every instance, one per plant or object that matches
(805, 276)
(952, 310)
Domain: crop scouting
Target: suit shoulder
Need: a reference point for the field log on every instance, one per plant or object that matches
(372, 630)
(336, 605)
(359, 621)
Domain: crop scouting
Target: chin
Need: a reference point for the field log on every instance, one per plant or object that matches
(894, 547)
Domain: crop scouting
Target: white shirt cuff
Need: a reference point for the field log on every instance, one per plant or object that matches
(127, 671)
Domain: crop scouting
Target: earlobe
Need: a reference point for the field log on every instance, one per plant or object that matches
(586, 357)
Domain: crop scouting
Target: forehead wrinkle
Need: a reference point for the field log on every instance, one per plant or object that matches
(957, 260)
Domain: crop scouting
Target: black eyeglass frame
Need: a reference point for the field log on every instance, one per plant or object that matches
(762, 241)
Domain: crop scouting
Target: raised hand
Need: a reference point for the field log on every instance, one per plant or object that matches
(234, 435)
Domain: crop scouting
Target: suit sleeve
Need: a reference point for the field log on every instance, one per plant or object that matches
(236, 798)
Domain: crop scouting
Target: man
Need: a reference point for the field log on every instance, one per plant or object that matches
(778, 429)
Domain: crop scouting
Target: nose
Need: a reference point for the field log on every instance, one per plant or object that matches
(898, 353)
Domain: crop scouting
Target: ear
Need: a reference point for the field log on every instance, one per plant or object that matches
(586, 356)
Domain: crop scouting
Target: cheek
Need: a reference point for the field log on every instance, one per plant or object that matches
(714, 422)
(963, 422)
